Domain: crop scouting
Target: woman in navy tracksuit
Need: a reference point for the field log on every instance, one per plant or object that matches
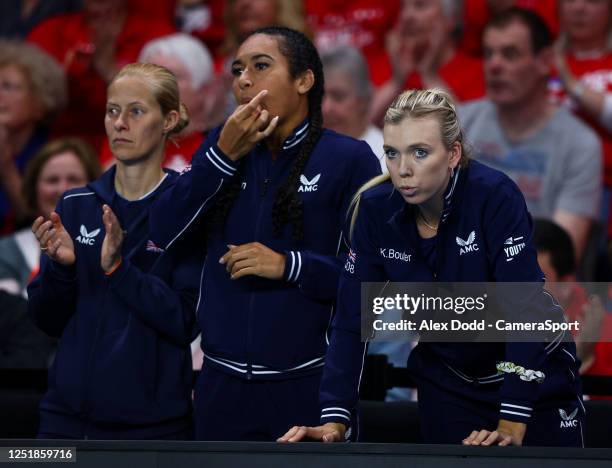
(269, 190)
(122, 307)
(448, 219)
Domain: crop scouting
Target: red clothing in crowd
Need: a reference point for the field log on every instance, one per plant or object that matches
(360, 23)
(463, 75)
(210, 29)
(596, 74)
(476, 15)
(67, 38)
(178, 152)
(162, 10)
(602, 360)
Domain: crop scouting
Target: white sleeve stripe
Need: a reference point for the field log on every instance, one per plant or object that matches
(212, 150)
(335, 415)
(514, 412)
(292, 266)
(78, 195)
(336, 408)
(299, 268)
(517, 406)
(217, 166)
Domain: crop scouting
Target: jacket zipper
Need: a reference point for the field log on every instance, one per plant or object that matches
(264, 192)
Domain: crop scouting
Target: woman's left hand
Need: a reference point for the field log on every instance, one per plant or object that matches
(113, 240)
(507, 433)
(253, 259)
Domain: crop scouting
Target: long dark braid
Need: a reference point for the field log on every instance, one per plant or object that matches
(301, 55)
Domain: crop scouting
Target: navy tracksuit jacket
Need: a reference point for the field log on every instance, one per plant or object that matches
(123, 365)
(459, 386)
(255, 328)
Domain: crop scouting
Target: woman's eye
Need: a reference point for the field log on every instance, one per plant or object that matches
(137, 111)
(420, 153)
(236, 71)
(261, 66)
(112, 111)
(391, 154)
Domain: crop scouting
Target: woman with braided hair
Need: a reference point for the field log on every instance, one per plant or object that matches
(268, 194)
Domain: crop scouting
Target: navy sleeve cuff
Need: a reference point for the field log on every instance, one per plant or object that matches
(336, 414)
(515, 412)
(294, 265)
(218, 159)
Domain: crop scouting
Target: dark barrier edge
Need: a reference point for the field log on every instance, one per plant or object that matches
(319, 448)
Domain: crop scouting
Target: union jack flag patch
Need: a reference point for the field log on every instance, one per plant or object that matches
(151, 247)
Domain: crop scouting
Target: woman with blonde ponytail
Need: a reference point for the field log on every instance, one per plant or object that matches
(122, 307)
(440, 217)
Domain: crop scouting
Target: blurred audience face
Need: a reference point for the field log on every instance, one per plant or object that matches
(545, 262)
(418, 18)
(18, 106)
(61, 172)
(585, 19)
(201, 102)
(344, 111)
(250, 15)
(102, 9)
(134, 121)
(513, 72)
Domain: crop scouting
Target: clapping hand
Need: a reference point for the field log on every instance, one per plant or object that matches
(54, 240)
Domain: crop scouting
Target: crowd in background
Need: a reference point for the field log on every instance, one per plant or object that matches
(536, 102)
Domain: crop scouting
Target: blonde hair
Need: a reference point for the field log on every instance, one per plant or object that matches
(44, 75)
(162, 83)
(418, 104)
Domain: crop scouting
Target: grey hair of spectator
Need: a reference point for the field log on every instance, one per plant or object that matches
(45, 76)
(352, 63)
(190, 51)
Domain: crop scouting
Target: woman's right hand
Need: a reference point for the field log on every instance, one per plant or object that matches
(243, 129)
(54, 240)
(330, 432)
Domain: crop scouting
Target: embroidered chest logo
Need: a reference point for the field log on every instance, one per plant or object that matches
(309, 185)
(393, 254)
(468, 245)
(512, 247)
(87, 238)
(568, 420)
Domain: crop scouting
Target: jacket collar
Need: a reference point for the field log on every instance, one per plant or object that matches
(104, 186)
(293, 141)
(298, 134)
(400, 218)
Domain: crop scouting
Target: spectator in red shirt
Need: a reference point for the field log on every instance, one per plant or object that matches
(92, 45)
(358, 23)
(424, 55)
(477, 13)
